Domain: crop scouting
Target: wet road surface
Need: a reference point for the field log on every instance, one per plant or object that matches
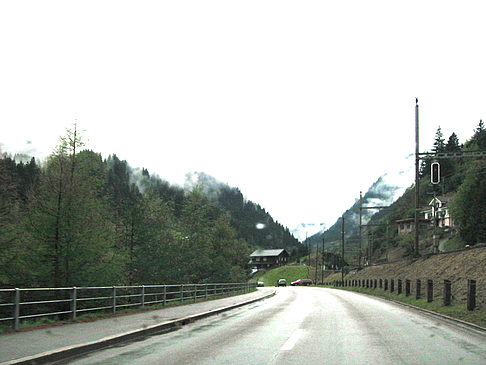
(306, 325)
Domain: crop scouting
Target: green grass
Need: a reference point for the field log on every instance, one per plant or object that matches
(454, 243)
(458, 311)
(289, 273)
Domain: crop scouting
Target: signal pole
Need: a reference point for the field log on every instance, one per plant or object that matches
(342, 250)
(308, 256)
(360, 226)
(322, 260)
(317, 263)
(417, 161)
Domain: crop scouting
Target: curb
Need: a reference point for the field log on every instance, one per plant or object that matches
(456, 321)
(66, 352)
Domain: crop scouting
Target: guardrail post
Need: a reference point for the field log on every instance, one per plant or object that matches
(114, 300)
(430, 290)
(16, 311)
(195, 293)
(407, 287)
(447, 292)
(392, 285)
(376, 283)
(386, 285)
(399, 289)
(142, 296)
(471, 295)
(182, 294)
(74, 298)
(418, 289)
(381, 284)
(165, 296)
(206, 291)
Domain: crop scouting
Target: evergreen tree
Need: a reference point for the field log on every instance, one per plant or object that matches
(70, 221)
(439, 143)
(195, 240)
(480, 127)
(469, 204)
(9, 228)
(157, 257)
(453, 144)
(126, 204)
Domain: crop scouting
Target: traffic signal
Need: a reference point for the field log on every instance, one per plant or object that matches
(435, 173)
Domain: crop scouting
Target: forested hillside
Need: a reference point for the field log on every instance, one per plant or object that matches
(77, 219)
(461, 178)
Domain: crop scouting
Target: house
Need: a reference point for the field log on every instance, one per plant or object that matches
(438, 211)
(264, 259)
(407, 225)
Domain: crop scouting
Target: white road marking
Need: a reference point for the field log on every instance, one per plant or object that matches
(289, 345)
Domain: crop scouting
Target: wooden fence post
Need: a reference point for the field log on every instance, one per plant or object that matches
(430, 290)
(74, 298)
(471, 295)
(142, 296)
(165, 296)
(16, 310)
(114, 300)
(447, 292)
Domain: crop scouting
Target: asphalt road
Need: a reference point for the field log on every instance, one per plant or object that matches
(306, 325)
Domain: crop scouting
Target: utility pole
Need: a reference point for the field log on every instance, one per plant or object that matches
(322, 259)
(369, 249)
(387, 239)
(308, 255)
(342, 250)
(360, 226)
(317, 263)
(417, 161)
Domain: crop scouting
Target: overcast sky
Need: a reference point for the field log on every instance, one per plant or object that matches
(300, 104)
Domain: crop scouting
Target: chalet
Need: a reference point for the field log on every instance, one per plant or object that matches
(264, 259)
(407, 225)
(438, 211)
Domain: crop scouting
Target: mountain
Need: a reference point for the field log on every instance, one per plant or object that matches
(383, 192)
(251, 221)
(304, 230)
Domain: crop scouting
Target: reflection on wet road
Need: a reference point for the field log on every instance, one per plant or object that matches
(304, 325)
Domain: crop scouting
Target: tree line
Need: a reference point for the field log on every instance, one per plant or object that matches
(78, 220)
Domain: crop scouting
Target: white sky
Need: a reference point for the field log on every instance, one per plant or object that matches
(300, 104)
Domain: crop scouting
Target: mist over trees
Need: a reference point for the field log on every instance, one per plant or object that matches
(77, 219)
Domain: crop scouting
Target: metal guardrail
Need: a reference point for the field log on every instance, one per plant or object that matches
(18, 305)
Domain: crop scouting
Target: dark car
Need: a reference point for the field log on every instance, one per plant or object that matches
(303, 282)
(282, 282)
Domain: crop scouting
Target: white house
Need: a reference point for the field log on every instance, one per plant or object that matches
(438, 211)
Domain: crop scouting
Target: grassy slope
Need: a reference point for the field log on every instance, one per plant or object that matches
(289, 273)
(454, 266)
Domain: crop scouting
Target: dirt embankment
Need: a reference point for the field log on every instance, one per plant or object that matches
(457, 267)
